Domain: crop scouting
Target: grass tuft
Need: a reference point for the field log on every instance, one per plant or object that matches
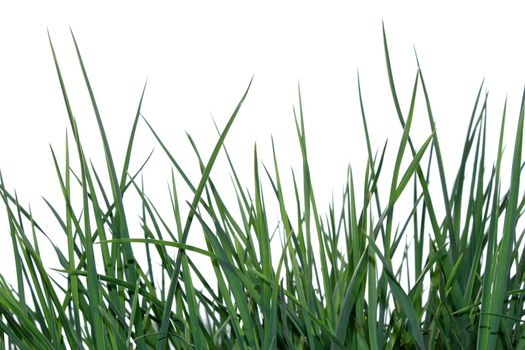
(338, 280)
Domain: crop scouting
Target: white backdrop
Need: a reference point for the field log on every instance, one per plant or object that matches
(200, 57)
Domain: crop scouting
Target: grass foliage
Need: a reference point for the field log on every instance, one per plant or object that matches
(333, 284)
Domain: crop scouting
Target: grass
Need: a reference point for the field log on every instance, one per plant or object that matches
(335, 281)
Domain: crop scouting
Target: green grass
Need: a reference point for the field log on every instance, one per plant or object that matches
(341, 279)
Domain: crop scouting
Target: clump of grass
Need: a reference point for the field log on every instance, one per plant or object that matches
(333, 284)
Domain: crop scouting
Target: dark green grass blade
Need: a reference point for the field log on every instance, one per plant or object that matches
(453, 236)
(129, 262)
(402, 299)
(131, 141)
(94, 296)
(197, 196)
(505, 250)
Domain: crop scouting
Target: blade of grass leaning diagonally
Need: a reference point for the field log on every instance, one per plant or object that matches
(174, 277)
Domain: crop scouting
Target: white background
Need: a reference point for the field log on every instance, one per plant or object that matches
(199, 59)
